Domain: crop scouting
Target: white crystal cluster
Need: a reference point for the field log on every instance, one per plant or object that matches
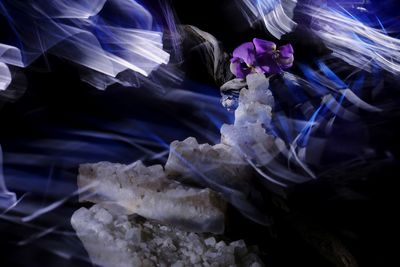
(249, 134)
(178, 215)
(148, 192)
(119, 241)
(249, 138)
(205, 164)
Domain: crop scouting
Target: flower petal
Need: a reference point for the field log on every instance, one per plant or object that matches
(263, 46)
(286, 63)
(286, 57)
(268, 63)
(246, 52)
(286, 51)
(238, 70)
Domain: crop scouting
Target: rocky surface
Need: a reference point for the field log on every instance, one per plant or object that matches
(146, 191)
(212, 166)
(114, 240)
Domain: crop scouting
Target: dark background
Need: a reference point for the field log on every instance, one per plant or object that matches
(60, 122)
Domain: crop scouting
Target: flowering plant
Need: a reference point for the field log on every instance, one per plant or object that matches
(261, 56)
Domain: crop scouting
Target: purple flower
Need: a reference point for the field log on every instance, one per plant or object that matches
(261, 56)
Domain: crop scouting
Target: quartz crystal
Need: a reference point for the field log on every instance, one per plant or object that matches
(114, 240)
(251, 135)
(215, 166)
(148, 192)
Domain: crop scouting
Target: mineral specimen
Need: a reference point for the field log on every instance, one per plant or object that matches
(114, 240)
(218, 165)
(251, 133)
(148, 192)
